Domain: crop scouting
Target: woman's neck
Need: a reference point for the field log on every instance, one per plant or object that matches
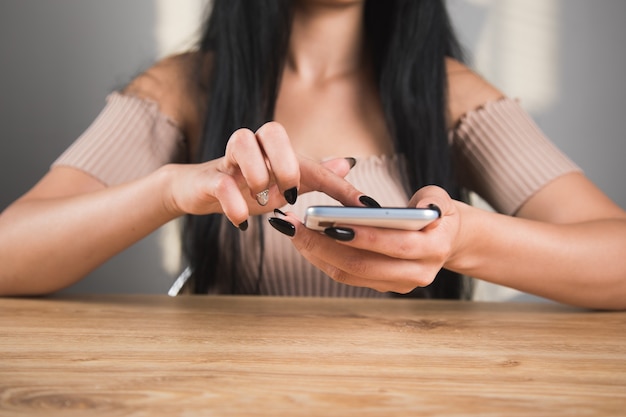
(326, 40)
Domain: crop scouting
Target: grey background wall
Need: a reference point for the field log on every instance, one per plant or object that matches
(60, 59)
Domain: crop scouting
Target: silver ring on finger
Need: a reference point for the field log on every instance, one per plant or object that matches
(263, 197)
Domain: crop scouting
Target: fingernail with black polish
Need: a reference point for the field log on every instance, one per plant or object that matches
(340, 233)
(283, 226)
(369, 202)
(435, 207)
(351, 161)
(291, 195)
(279, 212)
(243, 226)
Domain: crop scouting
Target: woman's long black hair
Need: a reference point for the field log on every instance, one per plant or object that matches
(408, 41)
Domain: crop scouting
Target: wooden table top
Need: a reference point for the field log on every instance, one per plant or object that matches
(265, 356)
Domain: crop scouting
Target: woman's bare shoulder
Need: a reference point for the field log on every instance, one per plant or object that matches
(171, 83)
(467, 91)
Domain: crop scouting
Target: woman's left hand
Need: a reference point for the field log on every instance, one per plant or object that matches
(386, 259)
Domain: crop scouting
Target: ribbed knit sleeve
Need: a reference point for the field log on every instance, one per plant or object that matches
(503, 156)
(129, 139)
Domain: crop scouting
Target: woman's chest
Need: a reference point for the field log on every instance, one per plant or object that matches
(340, 119)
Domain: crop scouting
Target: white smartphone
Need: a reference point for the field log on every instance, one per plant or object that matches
(322, 217)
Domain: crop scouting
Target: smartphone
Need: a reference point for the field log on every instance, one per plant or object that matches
(322, 217)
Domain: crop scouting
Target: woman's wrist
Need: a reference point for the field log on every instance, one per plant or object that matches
(182, 189)
(164, 179)
(464, 257)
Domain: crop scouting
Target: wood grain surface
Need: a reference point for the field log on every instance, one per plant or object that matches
(264, 356)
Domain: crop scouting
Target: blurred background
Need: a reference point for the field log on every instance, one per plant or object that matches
(564, 59)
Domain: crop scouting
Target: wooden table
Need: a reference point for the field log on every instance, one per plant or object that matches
(262, 356)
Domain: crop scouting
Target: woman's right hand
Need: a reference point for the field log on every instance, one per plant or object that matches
(69, 223)
(254, 162)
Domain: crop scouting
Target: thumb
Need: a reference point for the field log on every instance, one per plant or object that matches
(431, 194)
(433, 197)
(340, 166)
(327, 177)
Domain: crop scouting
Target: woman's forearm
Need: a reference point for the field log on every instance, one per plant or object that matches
(582, 263)
(48, 244)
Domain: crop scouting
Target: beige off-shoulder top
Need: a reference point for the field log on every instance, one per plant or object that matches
(499, 152)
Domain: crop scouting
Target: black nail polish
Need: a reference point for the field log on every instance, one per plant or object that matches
(369, 202)
(283, 226)
(340, 233)
(351, 161)
(291, 195)
(243, 226)
(279, 212)
(435, 207)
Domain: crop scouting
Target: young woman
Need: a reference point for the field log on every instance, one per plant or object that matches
(282, 98)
